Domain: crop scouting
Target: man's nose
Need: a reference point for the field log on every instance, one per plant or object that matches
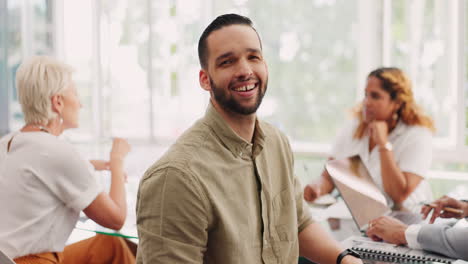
(244, 69)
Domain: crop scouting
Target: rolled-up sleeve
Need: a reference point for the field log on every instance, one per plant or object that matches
(172, 218)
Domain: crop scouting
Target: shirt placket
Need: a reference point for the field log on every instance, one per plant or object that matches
(268, 254)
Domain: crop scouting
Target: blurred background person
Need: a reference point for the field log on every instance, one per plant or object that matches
(391, 136)
(45, 183)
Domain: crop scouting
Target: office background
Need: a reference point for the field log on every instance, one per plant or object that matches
(137, 68)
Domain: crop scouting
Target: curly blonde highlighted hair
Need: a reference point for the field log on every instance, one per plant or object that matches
(398, 86)
(37, 80)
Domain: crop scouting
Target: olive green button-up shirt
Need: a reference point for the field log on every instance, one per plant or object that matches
(215, 198)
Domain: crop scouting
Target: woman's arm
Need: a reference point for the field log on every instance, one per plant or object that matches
(110, 210)
(397, 184)
(323, 186)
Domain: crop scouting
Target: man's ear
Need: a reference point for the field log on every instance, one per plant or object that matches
(57, 103)
(204, 80)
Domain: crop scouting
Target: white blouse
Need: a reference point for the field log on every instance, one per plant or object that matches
(44, 184)
(412, 151)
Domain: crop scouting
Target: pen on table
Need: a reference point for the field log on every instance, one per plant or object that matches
(447, 209)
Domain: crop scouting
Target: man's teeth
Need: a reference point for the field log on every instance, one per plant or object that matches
(244, 88)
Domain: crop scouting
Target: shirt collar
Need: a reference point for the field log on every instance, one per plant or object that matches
(236, 144)
(399, 128)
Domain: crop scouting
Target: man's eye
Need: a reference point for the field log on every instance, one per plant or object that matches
(225, 62)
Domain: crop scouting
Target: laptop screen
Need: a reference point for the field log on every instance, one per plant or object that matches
(4, 259)
(362, 197)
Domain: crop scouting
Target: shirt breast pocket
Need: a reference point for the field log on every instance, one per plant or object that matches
(285, 215)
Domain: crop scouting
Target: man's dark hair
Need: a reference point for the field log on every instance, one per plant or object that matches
(220, 22)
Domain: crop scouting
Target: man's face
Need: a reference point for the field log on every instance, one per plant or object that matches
(236, 73)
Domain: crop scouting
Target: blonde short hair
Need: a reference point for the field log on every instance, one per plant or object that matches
(37, 80)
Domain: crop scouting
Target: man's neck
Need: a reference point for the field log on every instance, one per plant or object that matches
(243, 125)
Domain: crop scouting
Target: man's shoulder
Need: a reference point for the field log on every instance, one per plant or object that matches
(183, 152)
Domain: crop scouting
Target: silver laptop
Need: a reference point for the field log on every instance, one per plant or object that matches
(4, 259)
(363, 198)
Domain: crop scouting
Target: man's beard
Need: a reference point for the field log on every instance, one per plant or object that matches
(227, 101)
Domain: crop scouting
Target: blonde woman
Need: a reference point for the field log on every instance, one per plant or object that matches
(45, 183)
(392, 137)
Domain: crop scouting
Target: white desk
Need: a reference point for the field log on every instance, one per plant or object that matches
(336, 218)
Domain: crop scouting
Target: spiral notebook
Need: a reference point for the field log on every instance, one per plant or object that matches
(373, 252)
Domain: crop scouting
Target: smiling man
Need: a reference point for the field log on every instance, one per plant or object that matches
(225, 192)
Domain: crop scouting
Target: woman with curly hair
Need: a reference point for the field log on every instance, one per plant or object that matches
(392, 137)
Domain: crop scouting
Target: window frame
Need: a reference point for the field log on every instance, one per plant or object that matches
(4, 88)
(450, 149)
